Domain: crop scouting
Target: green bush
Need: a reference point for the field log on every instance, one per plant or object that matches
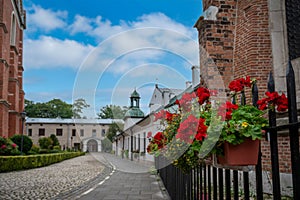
(57, 148)
(54, 151)
(7, 147)
(13, 163)
(35, 148)
(43, 151)
(45, 143)
(27, 142)
(54, 139)
(32, 152)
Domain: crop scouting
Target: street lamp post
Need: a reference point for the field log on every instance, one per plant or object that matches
(23, 115)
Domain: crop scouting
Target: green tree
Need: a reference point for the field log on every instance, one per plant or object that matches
(113, 129)
(51, 109)
(112, 112)
(78, 106)
(27, 142)
(54, 139)
(106, 145)
(59, 108)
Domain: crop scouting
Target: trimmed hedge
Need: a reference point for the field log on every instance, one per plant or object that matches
(13, 163)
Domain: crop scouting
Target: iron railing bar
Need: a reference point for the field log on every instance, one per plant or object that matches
(235, 185)
(293, 130)
(246, 186)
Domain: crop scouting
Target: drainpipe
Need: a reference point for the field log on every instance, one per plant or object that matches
(131, 144)
(68, 135)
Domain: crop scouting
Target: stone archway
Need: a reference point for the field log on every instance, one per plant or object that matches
(92, 145)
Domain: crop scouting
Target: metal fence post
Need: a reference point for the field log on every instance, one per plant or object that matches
(293, 129)
(274, 144)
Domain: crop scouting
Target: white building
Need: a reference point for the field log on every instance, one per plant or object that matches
(80, 134)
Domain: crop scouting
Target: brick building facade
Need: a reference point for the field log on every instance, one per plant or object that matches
(254, 38)
(12, 25)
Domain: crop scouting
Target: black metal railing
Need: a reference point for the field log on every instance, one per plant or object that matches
(208, 181)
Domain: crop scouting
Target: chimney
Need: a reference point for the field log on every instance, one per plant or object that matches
(188, 84)
(195, 76)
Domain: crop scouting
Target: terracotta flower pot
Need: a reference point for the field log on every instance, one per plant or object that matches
(243, 154)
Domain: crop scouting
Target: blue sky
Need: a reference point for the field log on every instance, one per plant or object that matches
(101, 50)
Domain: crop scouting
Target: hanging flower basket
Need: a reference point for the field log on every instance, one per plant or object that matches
(242, 154)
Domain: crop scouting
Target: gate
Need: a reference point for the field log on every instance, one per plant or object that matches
(208, 181)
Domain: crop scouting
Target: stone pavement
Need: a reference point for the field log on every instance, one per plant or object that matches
(128, 180)
(84, 177)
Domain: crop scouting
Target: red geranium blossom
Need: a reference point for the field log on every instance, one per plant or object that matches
(226, 109)
(169, 116)
(159, 139)
(3, 146)
(185, 101)
(282, 103)
(189, 127)
(239, 84)
(202, 130)
(203, 95)
(275, 99)
(14, 145)
(160, 115)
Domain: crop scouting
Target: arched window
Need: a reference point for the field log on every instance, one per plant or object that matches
(13, 30)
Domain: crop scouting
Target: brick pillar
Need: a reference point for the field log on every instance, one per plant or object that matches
(216, 40)
(4, 106)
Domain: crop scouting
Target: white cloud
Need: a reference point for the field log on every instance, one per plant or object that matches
(81, 24)
(46, 19)
(100, 28)
(51, 52)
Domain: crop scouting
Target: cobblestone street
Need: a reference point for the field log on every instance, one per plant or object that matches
(93, 176)
(48, 182)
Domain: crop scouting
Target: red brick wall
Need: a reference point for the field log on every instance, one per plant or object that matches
(238, 43)
(284, 154)
(252, 49)
(11, 71)
(217, 39)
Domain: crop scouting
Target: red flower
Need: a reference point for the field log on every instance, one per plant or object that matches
(226, 109)
(192, 126)
(275, 99)
(202, 130)
(169, 116)
(160, 115)
(262, 104)
(247, 81)
(203, 95)
(282, 103)
(14, 145)
(159, 139)
(272, 96)
(185, 101)
(149, 134)
(239, 84)
(236, 86)
(3, 146)
(187, 128)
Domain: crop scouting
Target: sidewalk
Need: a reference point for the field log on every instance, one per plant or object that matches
(128, 180)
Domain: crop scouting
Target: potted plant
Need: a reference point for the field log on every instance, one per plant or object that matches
(244, 124)
(200, 127)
